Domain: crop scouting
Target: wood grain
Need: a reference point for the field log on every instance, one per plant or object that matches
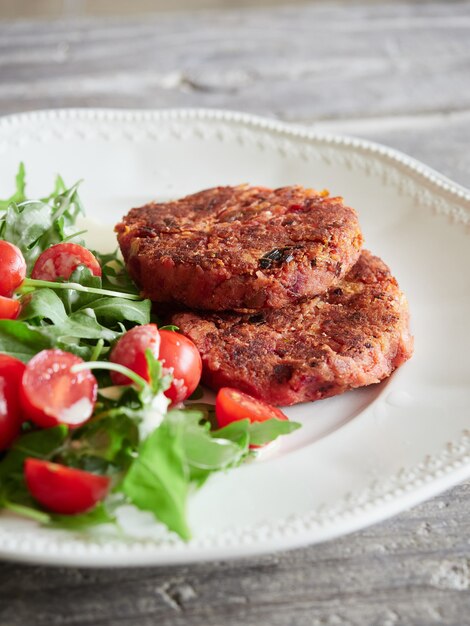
(305, 63)
(414, 569)
(397, 73)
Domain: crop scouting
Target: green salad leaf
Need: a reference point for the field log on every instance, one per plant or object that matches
(19, 193)
(82, 521)
(35, 225)
(115, 275)
(21, 340)
(157, 480)
(112, 311)
(42, 305)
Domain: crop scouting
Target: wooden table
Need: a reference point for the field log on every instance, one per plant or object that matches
(396, 73)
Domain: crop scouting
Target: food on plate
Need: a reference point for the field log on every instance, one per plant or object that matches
(232, 248)
(51, 393)
(11, 373)
(62, 259)
(178, 355)
(62, 489)
(232, 405)
(354, 335)
(130, 351)
(92, 387)
(13, 268)
(9, 308)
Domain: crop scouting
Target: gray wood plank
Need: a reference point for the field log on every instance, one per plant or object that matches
(392, 72)
(300, 63)
(414, 569)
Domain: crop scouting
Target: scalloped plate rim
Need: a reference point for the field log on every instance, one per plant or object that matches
(454, 471)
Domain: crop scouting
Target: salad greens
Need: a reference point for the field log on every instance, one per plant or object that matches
(155, 456)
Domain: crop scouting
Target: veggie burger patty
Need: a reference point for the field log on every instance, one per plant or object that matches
(236, 248)
(354, 335)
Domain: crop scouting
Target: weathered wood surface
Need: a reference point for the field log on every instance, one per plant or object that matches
(396, 73)
(412, 570)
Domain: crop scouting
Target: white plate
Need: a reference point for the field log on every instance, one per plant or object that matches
(389, 446)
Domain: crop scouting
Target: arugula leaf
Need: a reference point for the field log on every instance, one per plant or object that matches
(24, 224)
(110, 310)
(238, 432)
(42, 304)
(82, 521)
(59, 188)
(98, 515)
(208, 412)
(21, 340)
(259, 433)
(158, 480)
(211, 453)
(20, 192)
(265, 432)
(74, 300)
(19, 195)
(203, 449)
(114, 310)
(81, 325)
(106, 445)
(41, 444)
(34, 225)
(115, 275)
(29, 510)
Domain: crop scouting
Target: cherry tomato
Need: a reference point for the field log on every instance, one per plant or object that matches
(51, 394)
(63, 489)
(177, 353)
(61, 260)
(180, 356)
(13, 268)
(130, 351)
(232, 405)
(9, 308)
(11, 372)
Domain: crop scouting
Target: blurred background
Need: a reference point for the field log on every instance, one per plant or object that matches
(11, 9)
(396, 71)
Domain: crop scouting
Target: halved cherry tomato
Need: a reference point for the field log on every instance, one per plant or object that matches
(130, 351)
(62, 489)
(13, 268)
(9, 308)
(178, 355)
(232, 405)
(61, 260)
(51, 394)
(181, 358)
(11, 372)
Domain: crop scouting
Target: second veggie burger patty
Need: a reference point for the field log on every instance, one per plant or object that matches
(235, 248)
(354, 335)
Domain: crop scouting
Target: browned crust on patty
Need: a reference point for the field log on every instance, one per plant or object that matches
(354, 335)
(234, 248)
